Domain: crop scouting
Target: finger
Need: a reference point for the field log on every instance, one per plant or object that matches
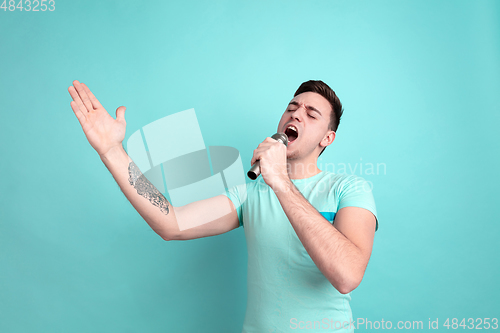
(78, 113)
(93, 99)
(266, 144)
(266, 141)
(254, 159)
(77, 99)
(120, 113)
(257, 154)
(83, 95)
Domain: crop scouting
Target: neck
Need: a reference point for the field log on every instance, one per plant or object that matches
(300, 169)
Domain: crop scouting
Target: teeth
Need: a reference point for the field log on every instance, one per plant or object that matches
(293, 128)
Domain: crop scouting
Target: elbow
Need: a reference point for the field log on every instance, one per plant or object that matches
(168, 236)
(167, 230)
(346, 288)
(348, 284)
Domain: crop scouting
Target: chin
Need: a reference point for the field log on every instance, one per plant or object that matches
(292, 155)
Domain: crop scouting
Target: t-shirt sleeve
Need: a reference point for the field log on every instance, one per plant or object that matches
(237, 194)
(357, 192)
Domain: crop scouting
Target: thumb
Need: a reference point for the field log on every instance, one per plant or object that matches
(120, 113)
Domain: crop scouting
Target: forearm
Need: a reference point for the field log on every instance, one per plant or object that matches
(335, 255)
(144, 197)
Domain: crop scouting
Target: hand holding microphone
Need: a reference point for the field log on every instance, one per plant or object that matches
(254, 171)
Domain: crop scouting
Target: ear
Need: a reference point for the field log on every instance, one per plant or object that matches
(328, 139)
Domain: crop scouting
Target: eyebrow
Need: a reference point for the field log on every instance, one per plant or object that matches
(310, 107)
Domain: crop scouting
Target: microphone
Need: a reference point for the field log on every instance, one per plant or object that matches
(255, 169)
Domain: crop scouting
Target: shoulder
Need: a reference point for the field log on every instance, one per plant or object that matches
(340, 180)
(244, 189)
(346, 180)
(342, 183)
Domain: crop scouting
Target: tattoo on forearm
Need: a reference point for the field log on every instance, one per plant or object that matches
(146, 189)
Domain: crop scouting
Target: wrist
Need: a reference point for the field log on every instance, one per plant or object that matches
(113, 153)
(284, 185)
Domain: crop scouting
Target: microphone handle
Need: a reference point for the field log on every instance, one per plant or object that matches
(254, 171)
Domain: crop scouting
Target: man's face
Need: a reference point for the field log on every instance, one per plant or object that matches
(309, 112)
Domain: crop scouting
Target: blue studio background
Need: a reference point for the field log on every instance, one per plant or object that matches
(419, 81)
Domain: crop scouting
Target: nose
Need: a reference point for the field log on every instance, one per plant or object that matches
(296, 114)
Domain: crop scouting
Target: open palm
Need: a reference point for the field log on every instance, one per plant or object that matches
(102, 131)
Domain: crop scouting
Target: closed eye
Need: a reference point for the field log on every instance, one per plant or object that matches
(288, 110)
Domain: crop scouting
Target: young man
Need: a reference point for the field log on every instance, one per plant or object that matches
(309, 232)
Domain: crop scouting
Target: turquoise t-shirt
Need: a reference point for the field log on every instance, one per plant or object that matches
(286, 290)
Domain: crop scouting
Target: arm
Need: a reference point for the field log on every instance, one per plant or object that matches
(341, 252)
(105, 134)
(214, 215)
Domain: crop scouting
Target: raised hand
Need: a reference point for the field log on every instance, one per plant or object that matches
(102, 131)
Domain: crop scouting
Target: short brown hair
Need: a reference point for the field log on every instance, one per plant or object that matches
(324, 90)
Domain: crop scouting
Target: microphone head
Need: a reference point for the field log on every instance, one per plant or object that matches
(281, 137)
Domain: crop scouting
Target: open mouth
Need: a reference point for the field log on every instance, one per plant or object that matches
(292, 133)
